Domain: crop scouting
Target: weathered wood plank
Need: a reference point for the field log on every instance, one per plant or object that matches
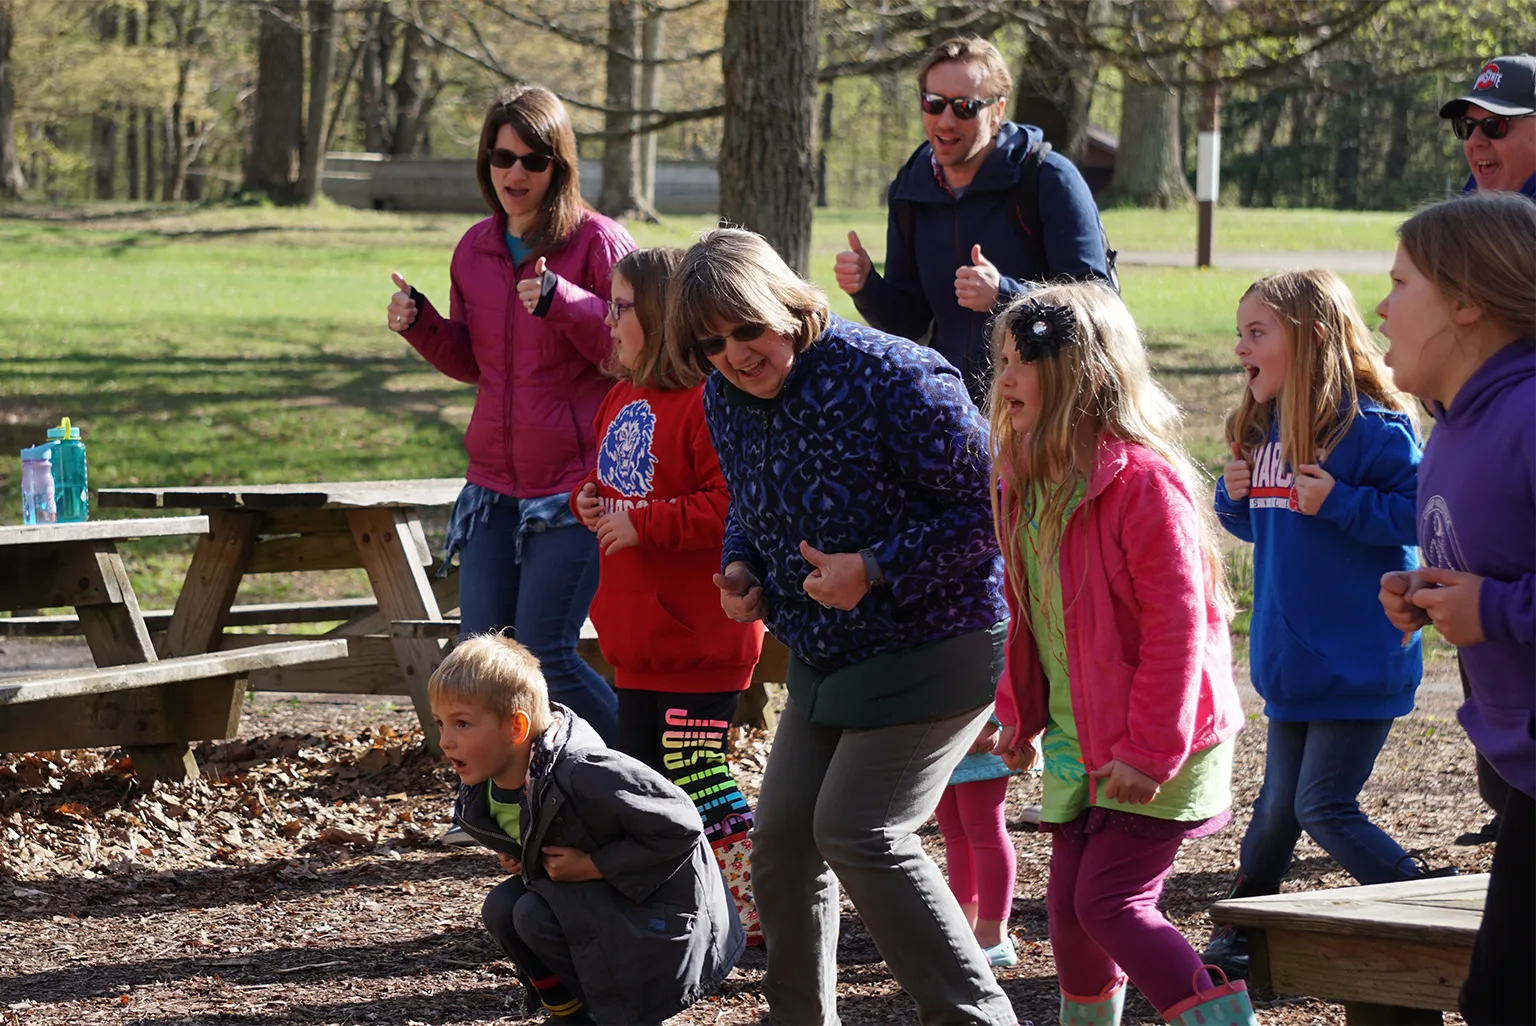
(317, 495)
(334, 550)
(218, 564)
(114, 630)
(33, 577)
(1382, 971)
(263, 614)
(163, 716)
(371, 668)
(101, 530)
(303, 521)
(400, 583)
(1381, 910)
(112, 679)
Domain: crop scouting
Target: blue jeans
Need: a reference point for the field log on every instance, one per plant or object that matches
(1313, 773)
(544, 599)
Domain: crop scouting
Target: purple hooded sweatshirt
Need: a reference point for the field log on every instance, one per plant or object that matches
(1477, 513)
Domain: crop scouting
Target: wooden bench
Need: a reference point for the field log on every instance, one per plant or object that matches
(163, 703)
(265, 614)
(1391, 953)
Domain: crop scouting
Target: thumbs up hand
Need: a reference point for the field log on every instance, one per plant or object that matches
(529, 289)
(976, 286)
(1237, 475)
(837, 579)
(402, 308)
(853, 266)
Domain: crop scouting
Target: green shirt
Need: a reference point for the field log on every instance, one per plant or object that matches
(1203, 786)
(506, 809)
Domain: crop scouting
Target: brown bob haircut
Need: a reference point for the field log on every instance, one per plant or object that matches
(732, 276)
(540, 121)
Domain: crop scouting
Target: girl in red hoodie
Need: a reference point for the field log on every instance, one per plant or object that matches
(1118, 650)
(657, 501)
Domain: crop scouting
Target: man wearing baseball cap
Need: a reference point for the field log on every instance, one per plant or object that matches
(1496, 123)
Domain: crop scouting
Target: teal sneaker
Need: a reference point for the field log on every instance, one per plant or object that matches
(1002, 953)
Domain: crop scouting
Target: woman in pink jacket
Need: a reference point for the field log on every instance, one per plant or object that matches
(525, 325)
(1118, 650)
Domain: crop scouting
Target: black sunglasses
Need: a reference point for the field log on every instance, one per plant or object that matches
(532, 162)
(965, 107)
(715, 344)
(1494, 127)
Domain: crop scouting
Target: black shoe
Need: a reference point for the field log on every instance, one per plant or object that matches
(1422, 870)
(1487, 835)
(1228, 951)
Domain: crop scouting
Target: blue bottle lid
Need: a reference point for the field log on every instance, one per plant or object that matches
(38, 452)
(64, 431)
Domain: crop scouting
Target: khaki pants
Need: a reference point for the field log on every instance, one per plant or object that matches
(841, 805)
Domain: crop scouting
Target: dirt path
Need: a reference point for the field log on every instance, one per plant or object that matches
(303, 882)
(1340, 261)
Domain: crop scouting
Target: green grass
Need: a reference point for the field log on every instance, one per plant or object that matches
(220, 345)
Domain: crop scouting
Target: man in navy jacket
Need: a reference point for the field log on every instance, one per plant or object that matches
(970, 251)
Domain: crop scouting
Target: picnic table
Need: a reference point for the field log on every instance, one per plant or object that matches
(1391, 953)
(133, 698)
(396, 640)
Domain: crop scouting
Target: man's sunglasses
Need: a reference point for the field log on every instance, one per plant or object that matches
(533, 163)
(1494, 127)
(965, 107)
(715, 344)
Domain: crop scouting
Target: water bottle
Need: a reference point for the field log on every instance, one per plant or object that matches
(37, 503)
(71, 495)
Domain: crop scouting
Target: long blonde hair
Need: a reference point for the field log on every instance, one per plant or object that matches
(1333, 362)
(1100, 385)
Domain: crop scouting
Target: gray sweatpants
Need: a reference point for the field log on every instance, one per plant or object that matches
(849, 803)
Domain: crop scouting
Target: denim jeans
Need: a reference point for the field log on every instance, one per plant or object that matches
(544, 599)
(1313, 773)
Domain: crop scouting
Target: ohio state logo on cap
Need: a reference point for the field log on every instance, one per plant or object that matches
(1489, 78)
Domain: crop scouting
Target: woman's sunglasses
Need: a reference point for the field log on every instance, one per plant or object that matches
(965, 107)
(715, 344)
(1494, 127)
(533, 163)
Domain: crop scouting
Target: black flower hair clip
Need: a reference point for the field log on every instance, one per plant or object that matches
(1041, 329)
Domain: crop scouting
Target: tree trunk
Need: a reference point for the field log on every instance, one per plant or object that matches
(103, 123)
(278, 136)
(1397, 141)
(621, 153)
(1269, 124)
(767, 160)
(148, 116)
(652, 31)
(1055, 85)
(12, 182)
(822, 143)
(322, 61)
(131, 134)
(1149, 169)
(373, 97)
(1346, 166)
(408, 93)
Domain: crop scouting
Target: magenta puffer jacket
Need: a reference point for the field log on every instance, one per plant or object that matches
(539, 379)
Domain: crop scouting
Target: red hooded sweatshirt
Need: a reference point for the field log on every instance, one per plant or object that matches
(657, 610)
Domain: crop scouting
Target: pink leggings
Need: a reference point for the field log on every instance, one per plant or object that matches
(977, 847)
(1102, 900)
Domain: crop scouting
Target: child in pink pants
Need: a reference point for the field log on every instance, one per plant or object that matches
(977, 849)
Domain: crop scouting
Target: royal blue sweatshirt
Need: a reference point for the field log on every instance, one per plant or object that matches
(1320, 645)
(1477, 514)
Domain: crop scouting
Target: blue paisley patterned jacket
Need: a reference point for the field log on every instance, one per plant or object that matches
(872, 443)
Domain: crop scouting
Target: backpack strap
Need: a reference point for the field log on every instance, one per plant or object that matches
(1026, 212)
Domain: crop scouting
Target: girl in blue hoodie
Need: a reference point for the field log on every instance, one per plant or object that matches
(1461, 319)
(1322, 481)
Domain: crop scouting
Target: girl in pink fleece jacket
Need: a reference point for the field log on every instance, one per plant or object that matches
(1118, 650)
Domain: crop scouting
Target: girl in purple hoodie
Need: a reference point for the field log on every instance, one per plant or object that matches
(1461, 319)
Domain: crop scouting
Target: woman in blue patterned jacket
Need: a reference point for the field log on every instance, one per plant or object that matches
(860, 531)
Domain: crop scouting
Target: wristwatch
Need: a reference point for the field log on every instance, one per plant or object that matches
(872, 569)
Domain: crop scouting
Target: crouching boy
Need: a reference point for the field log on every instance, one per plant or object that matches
(616, 911)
